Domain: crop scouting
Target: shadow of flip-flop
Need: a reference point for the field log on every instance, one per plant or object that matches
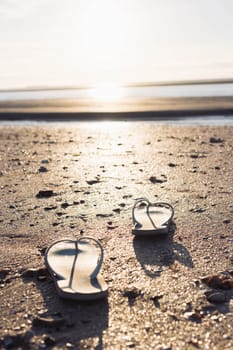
(159, 252)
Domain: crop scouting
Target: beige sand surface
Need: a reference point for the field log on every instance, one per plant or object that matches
(157, 295)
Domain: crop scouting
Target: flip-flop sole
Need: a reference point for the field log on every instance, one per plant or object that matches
(72, 270)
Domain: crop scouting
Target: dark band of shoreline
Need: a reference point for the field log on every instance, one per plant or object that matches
(118, 116)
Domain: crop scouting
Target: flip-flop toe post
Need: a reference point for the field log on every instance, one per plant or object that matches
(151, 218)
(75, 268)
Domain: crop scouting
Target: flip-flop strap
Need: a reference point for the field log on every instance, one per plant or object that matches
(137, 201)
(163, 204)
(101, 257)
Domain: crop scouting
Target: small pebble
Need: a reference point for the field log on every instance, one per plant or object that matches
(215, 140)
(42, 169)
(45, 194)
(49, 321)
(92, 182)
(65, 205)
(50, 207)
(216, 297)
(4, 273)
(220, 281)
(227, 221)
(155, 180)
(103, 215)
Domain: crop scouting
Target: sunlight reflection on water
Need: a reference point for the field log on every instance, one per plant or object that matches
(111, 92)
(106, 93)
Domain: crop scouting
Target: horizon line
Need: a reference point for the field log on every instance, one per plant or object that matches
(136, 84)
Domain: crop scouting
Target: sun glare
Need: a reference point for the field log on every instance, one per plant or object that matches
(106, 93)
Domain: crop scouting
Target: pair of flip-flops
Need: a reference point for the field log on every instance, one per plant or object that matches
(75, 264)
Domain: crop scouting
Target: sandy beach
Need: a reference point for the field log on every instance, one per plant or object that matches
(171, 293)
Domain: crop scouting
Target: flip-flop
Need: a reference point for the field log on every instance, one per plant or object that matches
(75, 265)
(151, 218)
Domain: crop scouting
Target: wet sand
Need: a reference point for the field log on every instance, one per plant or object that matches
(125, 108)
(158, 298)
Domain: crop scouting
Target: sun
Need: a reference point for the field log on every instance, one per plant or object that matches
(106, 93)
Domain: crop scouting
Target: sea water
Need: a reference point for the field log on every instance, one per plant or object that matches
(137, 91)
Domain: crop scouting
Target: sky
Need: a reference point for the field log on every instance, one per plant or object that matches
(93, 42)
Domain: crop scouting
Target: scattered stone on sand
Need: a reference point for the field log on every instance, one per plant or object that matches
(111, 227)
(197, 210)
(42, 169)
(103, 215)
(172, 165)
(45, 194)
(50, 207)
(4, 272)
(216, 297)
(55, 223)
(93, 182)
(33, 272)
(219, 281)
(215, 140)
(155, 180)
(194, 155)
(48, 321)
(197, 155)
(227, 221)
(65, 205)
(122, 205)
